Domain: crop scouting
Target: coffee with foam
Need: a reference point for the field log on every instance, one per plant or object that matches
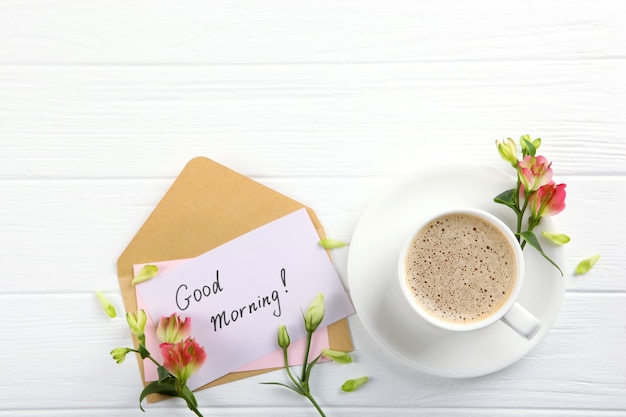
(460, 268)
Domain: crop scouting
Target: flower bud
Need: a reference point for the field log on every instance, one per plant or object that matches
(108, 308)
(137, 324)
(557, 238)
(337, 356)
(119, 354)
(585, 265)
(146, 273)
(354, 384)
(328, 243)
(508, 151)
(314, 314)
(529, 145)
(283, 337)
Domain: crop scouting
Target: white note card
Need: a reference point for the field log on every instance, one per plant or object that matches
(238, 293)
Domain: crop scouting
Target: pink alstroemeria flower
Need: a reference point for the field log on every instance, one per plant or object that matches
(184, 358)
(534, 172)
(548, 200)
(173, 329)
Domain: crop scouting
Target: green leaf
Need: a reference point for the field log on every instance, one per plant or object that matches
(167, 387)
(146, 273)
(337, 356)
(532, 241)
(163, 373)
(507, 198)
(537, 143)
(558, 238)
(143, 351)
(328, 243)
(354, 384)
(309, 368)
(189, 398)
(284, 385)
(585, 265)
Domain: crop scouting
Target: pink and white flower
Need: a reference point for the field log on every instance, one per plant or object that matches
(184, 358)
(534, 172)
(548, 200)
(173, 329)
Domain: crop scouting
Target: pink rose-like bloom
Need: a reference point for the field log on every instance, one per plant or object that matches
(534, 172)
(548, 200)
(184, 358)
(173, 329)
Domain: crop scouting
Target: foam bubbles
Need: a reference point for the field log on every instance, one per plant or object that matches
(461, 268)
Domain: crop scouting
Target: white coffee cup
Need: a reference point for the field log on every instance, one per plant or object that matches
(453, 308)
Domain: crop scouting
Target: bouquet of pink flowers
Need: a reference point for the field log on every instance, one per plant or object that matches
(182, 356)
(535, 191)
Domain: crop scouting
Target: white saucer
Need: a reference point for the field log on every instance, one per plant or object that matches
(372, 266)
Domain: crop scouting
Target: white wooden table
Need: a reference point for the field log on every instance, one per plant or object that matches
(103, 103)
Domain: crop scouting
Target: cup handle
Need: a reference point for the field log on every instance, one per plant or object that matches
(520, 320)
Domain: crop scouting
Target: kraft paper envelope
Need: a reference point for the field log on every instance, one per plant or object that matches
(207, 205)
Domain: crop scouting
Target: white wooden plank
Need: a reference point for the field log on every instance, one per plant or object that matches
(310, 120)
(146, 32)
(66, 235)
(56, 352)
(310, 412)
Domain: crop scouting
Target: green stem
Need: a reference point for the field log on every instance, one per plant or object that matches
(315, 404)
(303, 384)
(520, 218)
(289, 374)
(518, 212)
(516, 195)
(154, 361)
(196, 411)
(147, 357)
(532, 222)
(305, 376)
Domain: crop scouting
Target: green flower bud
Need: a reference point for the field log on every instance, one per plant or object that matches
(354, 384)
(119, 354)
(328, 243)
(283, 337)
(137, 324)
(314, 314)
(108, 308)
(508, 151)
(585, 265)
(557, 238)
(529, 145)
(146, 273)
(337, 356)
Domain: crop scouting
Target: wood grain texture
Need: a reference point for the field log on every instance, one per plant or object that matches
(41, 222)
(329, 120)
(555, 375)
(239, 31)
(102, 103)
